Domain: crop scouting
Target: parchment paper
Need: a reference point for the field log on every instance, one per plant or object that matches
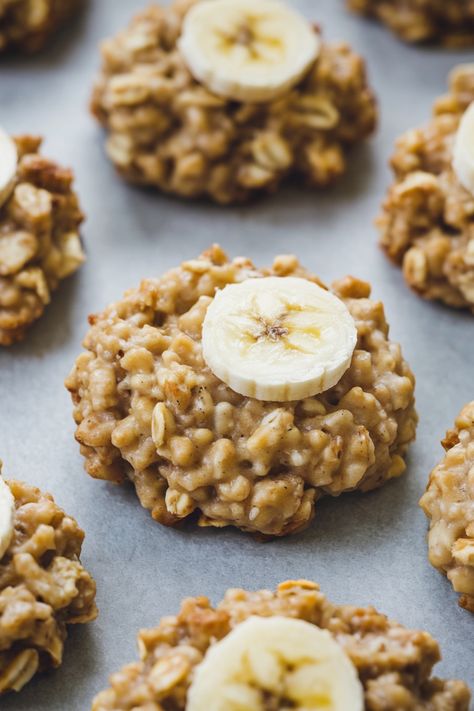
(362, 549)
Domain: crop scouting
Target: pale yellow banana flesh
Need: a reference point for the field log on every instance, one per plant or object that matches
(247, 50)
(278, 338)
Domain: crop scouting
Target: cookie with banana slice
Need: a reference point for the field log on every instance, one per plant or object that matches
(27, 25)
(241, 395)
(225, 99)
(43, 585)
(288, 649)
(427, 219)
(449, 22)
(449, 505)
(40, 244)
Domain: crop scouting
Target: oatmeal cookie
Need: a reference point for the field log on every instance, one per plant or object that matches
(427, 219)
(234, 460)
(394, 664)
(449, 504)
(450, 22)
(167, 130)
(39, 239)
(28, 24)
(43, 587)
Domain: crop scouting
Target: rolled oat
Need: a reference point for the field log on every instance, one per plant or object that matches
(427, 219)
(149, 410)
(166, 130)
(394, 663)
(39, 239)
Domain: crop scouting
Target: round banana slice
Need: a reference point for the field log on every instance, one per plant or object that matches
(7, 514)
(289, 662)
(247, 50)
(278, 338)
(8, 163)
(463, 153)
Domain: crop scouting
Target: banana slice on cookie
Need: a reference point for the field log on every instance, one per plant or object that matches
(463, 152)
(276, 662)
(8, 164)
(247, 50)
(7, 513)
(278, 338)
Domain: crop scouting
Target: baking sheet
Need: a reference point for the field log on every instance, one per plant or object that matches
(362, 549)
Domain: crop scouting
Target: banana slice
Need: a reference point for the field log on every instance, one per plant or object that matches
(247, 50)
(8, 163)
(7, 513)
(278, 338)
(463, 153)
(289, 662)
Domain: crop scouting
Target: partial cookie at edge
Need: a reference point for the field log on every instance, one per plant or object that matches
(167, 130)
(427, 220)
(394, 664)
(43, 587)
(449, 23)
(449, 505)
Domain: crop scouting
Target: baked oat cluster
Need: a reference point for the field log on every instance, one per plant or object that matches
(28, 24)
(149, 410)
(450, 22)
(43, 587)
(394, 664)
(427, 219)
(39, 239)
(167, 130)
(449, 504)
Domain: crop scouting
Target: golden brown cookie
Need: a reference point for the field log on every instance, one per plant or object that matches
(148, 409)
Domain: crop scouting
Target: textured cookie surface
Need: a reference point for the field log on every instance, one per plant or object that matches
(394, 664)
(233, 460)
(28, 24)
(448, 21)
(43, 587)
(449, 504)
(39, 239)
(168, 131)
(427, 219)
